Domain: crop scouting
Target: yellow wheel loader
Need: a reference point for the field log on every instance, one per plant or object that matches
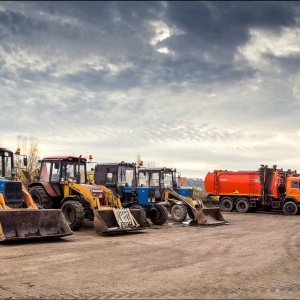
(63, 184)
(180, 206)
(20, 217)
(179, 200)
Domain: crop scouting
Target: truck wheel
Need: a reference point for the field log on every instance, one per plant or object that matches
(242, 205)
(40, 197)
(160, 215)
(290, 208)
(74, 214)
(135, 206)
(226, 205)
(178, 212)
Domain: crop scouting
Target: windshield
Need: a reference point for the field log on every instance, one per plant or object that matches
(70, 169)
(168, 180)
(126, 175)
(5, 165)
(143, 178)
(154, 179)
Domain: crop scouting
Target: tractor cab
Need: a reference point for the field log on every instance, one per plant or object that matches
(158, 178)
(55, 174)
(58, 169)
(118, 177)
(10, 189)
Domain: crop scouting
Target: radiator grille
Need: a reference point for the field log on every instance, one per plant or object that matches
(13, 194)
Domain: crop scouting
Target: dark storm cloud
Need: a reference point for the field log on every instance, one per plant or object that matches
(218, 28)
(119, 31)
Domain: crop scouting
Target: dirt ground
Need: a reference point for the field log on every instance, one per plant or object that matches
(256, 256)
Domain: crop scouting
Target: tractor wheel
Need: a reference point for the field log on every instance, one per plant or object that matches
(40, 197)
(178, 212)
(226, 204)
(160, 215)
(290, 208)
(74, 214)
(135, 206)
(242, 205)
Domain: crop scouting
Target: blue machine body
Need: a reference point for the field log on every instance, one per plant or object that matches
(144, 197)
(127, 189)
(186, 192)
(2, 186)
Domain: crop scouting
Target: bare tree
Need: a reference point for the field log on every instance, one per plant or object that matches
(28, 148)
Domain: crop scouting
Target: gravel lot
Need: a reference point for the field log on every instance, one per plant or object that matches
(256, 256)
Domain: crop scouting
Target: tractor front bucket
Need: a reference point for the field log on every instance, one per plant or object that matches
(114, 220)
(20, 224)
(210, 216)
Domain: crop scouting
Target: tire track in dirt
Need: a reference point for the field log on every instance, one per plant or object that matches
(200, 292)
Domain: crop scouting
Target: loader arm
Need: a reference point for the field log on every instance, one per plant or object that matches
(186, 200)
(27, 198)
(203, 215)
(110, 198)
(86, 193)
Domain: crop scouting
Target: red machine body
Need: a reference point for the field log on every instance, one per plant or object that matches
(243, 183)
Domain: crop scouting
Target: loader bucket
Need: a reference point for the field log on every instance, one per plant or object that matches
(107, 221)
(19, 224)
(210, 216)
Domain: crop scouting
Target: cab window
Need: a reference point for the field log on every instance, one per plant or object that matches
(295, 184)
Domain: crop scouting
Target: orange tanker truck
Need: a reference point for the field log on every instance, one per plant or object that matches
(268, 188)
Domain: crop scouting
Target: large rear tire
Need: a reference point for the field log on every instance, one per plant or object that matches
(226, 204)
(159, 216)
(290, 208)
(178, 212)
(242, 205)
(74, 214)
(40, 197)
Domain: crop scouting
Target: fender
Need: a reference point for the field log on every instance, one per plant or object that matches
(71, 197)
(47, 186)
(289, 198)
(176, 202)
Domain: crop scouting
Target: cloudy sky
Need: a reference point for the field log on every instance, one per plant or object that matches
(193, 85)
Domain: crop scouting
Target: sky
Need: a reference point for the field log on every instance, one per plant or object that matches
(197, 85)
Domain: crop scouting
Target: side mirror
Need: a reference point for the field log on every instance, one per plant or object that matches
(25, 161)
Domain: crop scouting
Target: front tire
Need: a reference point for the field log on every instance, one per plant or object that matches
(160, 215)
(40, 197)
(74, 214)
(178, 212)
(290, 208)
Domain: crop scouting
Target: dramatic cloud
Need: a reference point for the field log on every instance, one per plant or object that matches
(186, 84)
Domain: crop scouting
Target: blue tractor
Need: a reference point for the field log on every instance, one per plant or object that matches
(20, 217)
(121, 179)
(179, 200)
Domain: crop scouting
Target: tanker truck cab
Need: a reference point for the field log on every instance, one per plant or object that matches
(291, 202)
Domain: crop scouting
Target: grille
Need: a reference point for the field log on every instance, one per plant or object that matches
(13, 194)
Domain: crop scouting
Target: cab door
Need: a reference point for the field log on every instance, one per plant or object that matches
(293, 190)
